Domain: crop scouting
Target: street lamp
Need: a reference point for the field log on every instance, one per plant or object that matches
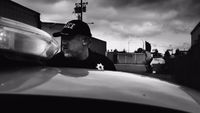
(129, 45)
(143, 44)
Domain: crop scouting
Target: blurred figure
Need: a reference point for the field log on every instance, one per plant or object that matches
(148, 61)
(167, 58)
(115, 56)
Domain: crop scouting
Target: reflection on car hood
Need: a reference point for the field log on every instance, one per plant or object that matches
(108, 85)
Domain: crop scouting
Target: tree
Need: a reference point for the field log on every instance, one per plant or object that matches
(124, 51)
(140, 50)
(156, 54)
(177, 53)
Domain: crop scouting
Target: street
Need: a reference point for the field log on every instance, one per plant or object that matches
(140, 69)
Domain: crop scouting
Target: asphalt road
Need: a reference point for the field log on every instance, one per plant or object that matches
(140, 69)
(133, 68)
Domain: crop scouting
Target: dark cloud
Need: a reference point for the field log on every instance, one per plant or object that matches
(187, 9)
(45, 1)
(129, 3)
(193, 9)
(185, 13)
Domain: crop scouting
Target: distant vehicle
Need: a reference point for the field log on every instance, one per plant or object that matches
(157, 65)
(46, 88)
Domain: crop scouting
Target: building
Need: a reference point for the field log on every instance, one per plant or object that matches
(12, 10)
(97, 45)
(195, 34)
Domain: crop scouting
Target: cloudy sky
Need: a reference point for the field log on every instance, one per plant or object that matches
(126, 24)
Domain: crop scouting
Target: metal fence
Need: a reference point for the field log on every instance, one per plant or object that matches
(130, 58)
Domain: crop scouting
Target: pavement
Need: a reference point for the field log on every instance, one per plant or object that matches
(140, 69)
(133, 68)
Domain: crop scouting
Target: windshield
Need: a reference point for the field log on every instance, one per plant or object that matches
(159, 39)
(132, 34)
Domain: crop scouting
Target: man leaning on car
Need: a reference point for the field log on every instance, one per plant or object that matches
(75, 52)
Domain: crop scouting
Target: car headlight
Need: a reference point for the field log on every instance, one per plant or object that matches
(4, 40)
(19, 37)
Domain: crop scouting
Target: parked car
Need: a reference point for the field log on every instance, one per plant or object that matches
(157, 65)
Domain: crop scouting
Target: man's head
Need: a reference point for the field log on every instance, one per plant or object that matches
(75, 38)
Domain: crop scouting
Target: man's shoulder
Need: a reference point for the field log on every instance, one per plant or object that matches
(102, 59)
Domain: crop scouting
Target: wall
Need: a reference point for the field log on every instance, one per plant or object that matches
(131, 58)
(110, 55)
(98, 46)
(195, 34)
(12, 10)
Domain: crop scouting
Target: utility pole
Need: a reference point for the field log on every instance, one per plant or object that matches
(79, 9)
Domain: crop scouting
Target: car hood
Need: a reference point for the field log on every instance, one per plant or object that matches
(107, 85)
